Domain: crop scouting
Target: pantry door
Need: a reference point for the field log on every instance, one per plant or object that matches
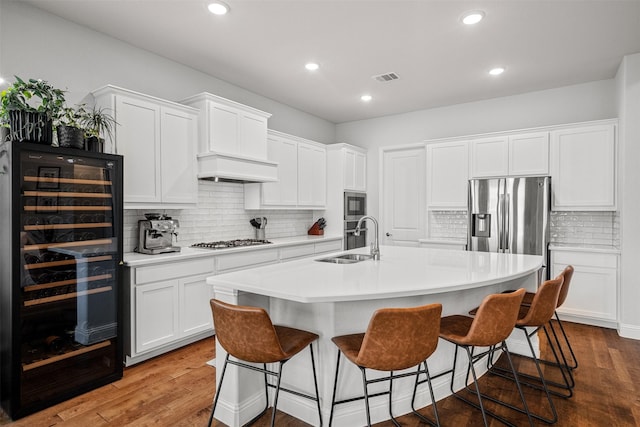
(403, 202)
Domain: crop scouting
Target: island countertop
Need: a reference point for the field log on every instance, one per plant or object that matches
(400, 272)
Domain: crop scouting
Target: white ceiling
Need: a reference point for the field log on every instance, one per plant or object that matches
(262, 46)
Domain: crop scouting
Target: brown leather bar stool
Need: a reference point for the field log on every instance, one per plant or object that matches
(396, 339)
(565, 367)
(247, 334)
(535, 316)
(495, 320)
(567, 274)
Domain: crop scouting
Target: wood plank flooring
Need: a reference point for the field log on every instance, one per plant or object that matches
(176, 389)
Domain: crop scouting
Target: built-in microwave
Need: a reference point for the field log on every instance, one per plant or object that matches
(355, 206)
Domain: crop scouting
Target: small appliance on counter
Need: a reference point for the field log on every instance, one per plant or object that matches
(317, 229)
(155, 234)
(259, 224)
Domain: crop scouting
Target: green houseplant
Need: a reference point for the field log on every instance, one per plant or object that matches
(70, 126)
(28, 108)
(98, 124)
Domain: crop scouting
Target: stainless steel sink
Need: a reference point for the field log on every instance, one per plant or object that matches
(346, 258)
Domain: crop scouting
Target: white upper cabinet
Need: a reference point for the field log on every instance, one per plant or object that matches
(302, 175)
(583, 168)
(312, 175)
(349, 165)
(490, 157)
(447, 175)
(355, 170)
(510, 155)
(529, 154)
(158, 141)
(284, 192)
(230, 127)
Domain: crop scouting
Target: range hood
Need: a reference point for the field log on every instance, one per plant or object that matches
(225, 167)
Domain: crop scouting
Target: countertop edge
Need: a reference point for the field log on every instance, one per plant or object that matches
(592, 249)
(134, 259)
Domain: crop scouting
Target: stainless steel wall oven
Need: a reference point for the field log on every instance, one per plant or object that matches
(355, 207)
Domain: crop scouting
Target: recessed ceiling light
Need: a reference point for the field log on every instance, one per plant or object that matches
(473, 17)
(218, 8)
(2, 81)
(311, 66)
(496, 71)
(366, 98)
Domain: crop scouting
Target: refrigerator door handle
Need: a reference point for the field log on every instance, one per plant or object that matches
(507, 219)
(500, 222)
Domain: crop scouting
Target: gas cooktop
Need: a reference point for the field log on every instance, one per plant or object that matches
(224, 244)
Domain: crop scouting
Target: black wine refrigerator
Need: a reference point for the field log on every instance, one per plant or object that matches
(61, 274)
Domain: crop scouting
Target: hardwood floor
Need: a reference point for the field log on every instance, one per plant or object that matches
(176, 389)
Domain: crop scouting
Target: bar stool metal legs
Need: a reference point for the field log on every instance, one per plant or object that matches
(277, 386)
(247, 334)
(396, 339)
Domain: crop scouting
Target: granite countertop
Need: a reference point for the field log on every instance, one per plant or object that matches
(134, 259)
(400, 272)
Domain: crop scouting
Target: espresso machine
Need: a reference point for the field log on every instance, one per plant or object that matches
(156, 233)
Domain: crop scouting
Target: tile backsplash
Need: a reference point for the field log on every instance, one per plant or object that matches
(578, 228)
(220, 215)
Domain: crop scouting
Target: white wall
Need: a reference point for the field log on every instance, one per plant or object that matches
(583, 102)
(628, 92)
(37, 44)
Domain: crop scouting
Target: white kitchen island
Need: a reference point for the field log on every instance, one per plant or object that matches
(335, 299)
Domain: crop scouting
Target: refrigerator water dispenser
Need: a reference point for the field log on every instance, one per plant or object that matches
(481, 225)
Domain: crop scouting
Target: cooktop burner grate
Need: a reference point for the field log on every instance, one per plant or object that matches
(224, 244)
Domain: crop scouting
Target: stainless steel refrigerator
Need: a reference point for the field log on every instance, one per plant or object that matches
(510, 215)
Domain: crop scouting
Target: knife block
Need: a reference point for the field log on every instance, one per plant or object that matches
(315, 230)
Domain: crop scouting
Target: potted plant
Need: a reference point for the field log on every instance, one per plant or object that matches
(70, 126)
(28, 108)
(98, 124)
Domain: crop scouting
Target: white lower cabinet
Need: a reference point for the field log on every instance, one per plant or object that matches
(168, 307)
(592, 297)
(167, 304)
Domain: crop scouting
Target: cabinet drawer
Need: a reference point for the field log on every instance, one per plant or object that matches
(331, 246)
(246, 259)
(173, 270)
(596, 260)
(297, 251)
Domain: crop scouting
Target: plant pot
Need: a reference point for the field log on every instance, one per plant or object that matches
(30, 127)
(70, 137)
(95, 144)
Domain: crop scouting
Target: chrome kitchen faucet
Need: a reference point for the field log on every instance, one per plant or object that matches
(375, 247)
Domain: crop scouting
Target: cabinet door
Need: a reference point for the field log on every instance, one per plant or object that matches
(253, 134)
(529, 154)
(489, 157)
(592, 297)
(195, 311)
(583, 167)
(349, 169)
(178, 153)
(284, 192)
(360, 172)
(157, 318)
(138, 140)
(223, 128)
(312, 175)
(447, 175)
(355, 171)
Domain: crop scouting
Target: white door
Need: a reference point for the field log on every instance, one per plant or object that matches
(403, 195)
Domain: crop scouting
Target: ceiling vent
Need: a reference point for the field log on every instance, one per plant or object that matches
(386, 77)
